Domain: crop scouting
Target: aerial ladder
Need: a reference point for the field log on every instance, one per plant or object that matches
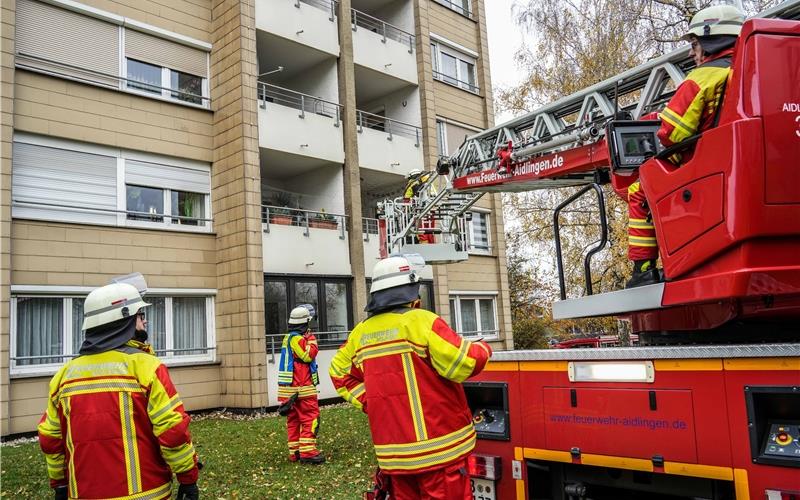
(727, 221)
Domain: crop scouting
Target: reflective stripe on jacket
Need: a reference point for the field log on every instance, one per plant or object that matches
(692, 108)
(115, 427)
(297, 368)
(406, 367)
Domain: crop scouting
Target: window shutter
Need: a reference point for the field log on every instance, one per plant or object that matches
(88, 45)
(455, 136)
(167, 177)
(60, 178)
(154, 50)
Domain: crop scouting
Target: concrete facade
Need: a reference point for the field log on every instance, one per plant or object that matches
(223, 261)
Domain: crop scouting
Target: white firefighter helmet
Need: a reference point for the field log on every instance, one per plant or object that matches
(414, 172)
(111, 303)
(716, 20)
(392, 272)
(301, 314)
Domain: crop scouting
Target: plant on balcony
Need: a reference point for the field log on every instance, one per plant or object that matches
(281, 213)
(323, 220)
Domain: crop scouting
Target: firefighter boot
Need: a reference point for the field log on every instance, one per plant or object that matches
(644, 273)
(315, 460)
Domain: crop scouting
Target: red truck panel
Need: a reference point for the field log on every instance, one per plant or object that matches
(620, 422)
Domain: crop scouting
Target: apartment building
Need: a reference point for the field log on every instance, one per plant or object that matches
(233, 152)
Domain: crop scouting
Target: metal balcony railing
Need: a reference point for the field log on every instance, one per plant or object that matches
(388, 125)
(328, 6)
(442, 77)
(305, 103)
(458, 6)
(299, 217)
(386, 30)
(369, 227)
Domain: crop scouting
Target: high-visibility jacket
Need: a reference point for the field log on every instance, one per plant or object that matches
(692, 108)
(297, 369)
(115, 427)
(415, 184)
(405, 368)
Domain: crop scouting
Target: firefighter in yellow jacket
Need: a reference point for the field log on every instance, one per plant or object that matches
(712, 33)
(404, 366)
(115, 426)
(297, 387)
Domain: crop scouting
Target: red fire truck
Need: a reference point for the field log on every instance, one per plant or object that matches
(707, 406)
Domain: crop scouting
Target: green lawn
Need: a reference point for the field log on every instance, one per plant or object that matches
(244, 458)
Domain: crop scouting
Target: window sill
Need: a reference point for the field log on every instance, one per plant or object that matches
(165, 226)
(51, 370)
(477, 251)
(455, 85)
(86, 81)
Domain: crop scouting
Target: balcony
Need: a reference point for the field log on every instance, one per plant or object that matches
(308, 22)
(299, 241)
(388, 145)
(386, 50)
(299, 124)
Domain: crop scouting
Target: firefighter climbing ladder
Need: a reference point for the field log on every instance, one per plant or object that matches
(556, 145)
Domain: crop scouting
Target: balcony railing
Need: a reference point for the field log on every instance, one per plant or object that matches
(326, 5)
(388, 125)
(458, 6)
(469, 87)
(305, 103)
(299, 217)
(386, 30)
(369, 227)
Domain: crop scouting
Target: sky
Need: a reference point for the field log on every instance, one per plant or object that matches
(505, 37)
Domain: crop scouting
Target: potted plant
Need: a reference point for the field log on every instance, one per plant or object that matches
(323, 220)
(281, 213)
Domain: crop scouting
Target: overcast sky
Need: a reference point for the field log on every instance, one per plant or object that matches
(505, 38)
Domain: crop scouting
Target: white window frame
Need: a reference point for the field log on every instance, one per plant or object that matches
(441, 129)
(440, 45)
(470, 246)
(166, 81)
(441, 139)
(456, 297)
(121, 156)
(67, 294)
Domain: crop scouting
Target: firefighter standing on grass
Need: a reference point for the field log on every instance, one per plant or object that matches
(692, 109)
(297, 387)
(403, 366)
(115, 426)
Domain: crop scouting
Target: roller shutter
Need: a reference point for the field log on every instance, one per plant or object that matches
(167, 177)
(161, 52)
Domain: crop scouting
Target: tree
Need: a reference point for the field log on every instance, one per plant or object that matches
(579, 43)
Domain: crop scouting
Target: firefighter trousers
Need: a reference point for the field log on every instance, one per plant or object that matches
(302, 423)
(642, 243)
(448, 483)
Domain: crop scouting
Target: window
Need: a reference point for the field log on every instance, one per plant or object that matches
(90, 46)
(474, 315)
(450, 135)
(479, 233)
(59, 180)
(46, 330)
(145, 77)
(454, 67)
(331, 298)
(164, 82)
(463, 7)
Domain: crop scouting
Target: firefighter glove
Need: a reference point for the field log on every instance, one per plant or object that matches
(60, 493)
(188, 492)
